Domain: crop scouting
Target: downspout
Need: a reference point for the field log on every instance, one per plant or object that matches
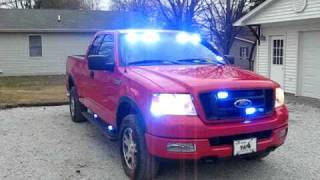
(257, 34)
(251, 61)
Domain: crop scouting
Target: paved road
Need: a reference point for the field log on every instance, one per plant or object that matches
(43, 143)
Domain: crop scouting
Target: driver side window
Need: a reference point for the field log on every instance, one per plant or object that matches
(96, 45)
(107, 47)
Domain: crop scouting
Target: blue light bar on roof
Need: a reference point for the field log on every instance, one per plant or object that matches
(151, 36)
(195, 39)
(132, 37)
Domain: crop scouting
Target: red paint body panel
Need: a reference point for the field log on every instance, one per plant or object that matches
(158, 146)
(138, 83)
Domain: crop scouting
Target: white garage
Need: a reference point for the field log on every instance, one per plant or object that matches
(310, 64)
(289, 44)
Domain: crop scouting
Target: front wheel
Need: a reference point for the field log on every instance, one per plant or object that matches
(137, 162)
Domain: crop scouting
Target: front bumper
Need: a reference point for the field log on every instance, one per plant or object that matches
(157, 146)
(193, 131)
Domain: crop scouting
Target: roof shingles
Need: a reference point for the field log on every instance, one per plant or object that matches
(71, 20)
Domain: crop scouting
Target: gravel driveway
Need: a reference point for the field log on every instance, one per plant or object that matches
(43, 143)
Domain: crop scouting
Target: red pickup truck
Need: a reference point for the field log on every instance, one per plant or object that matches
(164, 95)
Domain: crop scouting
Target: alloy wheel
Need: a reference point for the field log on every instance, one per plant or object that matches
(129, 148)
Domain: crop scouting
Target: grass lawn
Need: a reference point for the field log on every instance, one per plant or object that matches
(32, 90)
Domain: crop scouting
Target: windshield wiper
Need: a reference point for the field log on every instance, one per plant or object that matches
(200, 61)
(153, 61)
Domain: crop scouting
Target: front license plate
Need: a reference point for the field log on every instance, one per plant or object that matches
(245, 146)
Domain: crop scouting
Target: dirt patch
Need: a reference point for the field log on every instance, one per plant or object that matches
(32, 91)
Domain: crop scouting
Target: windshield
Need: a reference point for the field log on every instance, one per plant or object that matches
(141, 49)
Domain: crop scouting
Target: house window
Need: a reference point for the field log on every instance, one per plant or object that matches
(277, 52)
(244, 53)
(35, 46)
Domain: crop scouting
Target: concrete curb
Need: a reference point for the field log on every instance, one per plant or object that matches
(3, 107)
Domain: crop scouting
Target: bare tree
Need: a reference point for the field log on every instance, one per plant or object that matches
(91, 4)
(179, 14)
(217, 20)
(146, 8)
(173, 14)
(131, 5)
(57, 4)
(50, 4)
(23, 4)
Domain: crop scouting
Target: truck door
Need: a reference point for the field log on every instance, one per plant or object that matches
(88, 81)
(106, 86)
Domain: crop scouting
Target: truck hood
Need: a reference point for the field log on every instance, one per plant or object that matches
(202, 77)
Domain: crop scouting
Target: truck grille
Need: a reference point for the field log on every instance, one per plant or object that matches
(224, 109)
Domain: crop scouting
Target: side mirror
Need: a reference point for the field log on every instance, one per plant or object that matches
(229, 58)
(100, 62)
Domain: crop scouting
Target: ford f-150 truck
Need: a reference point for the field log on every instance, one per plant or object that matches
(164, 95)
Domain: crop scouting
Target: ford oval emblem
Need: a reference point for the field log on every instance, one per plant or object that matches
(242, 103)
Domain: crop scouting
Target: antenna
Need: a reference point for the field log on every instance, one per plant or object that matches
(125, 62)
(125, 65)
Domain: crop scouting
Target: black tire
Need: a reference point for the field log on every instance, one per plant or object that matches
(258, 156)
(146, 166)
(76, 108)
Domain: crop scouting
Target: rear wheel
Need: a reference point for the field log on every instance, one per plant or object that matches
(76, 108)
(137, 162)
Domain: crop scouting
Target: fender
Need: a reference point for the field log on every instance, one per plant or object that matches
(134, 108)
(69, 79)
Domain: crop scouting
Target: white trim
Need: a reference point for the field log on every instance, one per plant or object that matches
(244, 40)
(241, 21)
(270, 55)
(299, 64)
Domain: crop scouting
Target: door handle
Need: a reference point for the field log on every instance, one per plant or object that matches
(91, 74)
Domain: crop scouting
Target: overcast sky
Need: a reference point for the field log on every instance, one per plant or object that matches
(105, 4)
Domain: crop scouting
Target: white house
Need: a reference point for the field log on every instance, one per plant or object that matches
(37, 42)
(289, 50)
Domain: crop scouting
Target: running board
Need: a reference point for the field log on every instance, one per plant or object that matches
(102, 125)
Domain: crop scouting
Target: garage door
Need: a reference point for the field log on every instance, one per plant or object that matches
(310, 66)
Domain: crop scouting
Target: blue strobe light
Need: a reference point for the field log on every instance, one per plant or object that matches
(223, 95)
(110, 128)
(251, 111)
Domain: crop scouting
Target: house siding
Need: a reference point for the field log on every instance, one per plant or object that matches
(15, 59)
(291, 33)
(235, 52)
(282, 11)
(262, 59)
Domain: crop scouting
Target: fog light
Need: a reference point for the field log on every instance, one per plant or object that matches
(95, 115)
(181, 147)
(283, 133)
(110, 128)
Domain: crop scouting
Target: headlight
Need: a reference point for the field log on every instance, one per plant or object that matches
(279, 97)
(172, 104)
